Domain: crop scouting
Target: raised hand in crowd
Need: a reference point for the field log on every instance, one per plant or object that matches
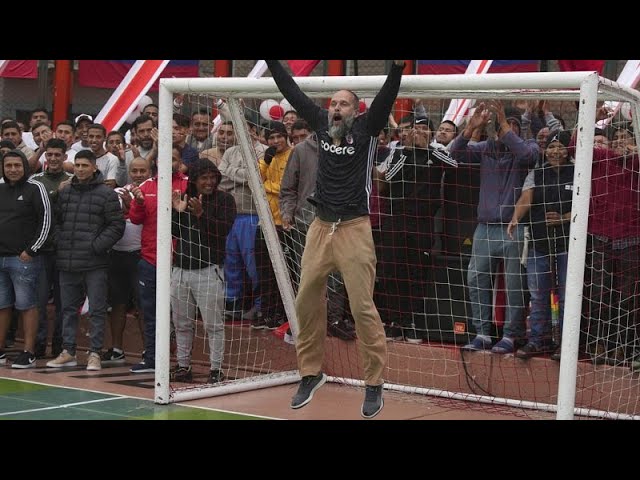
(138, 195)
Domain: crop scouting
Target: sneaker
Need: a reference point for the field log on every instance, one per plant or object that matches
(555, 356)
(3, 357)
(288, 337)
(271, 323)
(41, 350)
(411, 335)
(504, 346)
(259, 322)
(111, 357)
(393, 333)
(373, 402)
(93, 362)
(181, 374)
(341, 330)
(216, 376)
(65, 359)
(478, 343)
(142, 367)
(308, 385)
(531, 349)
(25, 360)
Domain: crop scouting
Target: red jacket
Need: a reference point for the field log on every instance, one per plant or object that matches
(615, 198)
(147, 213)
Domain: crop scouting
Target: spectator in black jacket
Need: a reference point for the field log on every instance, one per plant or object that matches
(413, 174)
(89, 221)
(25, 222)
(340, 237)
(51, 178)
(202, 218)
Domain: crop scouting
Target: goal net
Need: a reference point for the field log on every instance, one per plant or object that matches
(540, 316)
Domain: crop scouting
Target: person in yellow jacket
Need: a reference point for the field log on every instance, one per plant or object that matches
(272, 166)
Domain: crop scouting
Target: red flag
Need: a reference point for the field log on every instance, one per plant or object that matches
(20, 69)
(302, 68)
(581, 65)
(109, 73)
(133, 86)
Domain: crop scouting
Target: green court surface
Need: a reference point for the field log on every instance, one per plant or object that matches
(33, 401)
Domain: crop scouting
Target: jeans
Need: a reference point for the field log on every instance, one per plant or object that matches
(19, 282)
(490, 245)
(73, 286)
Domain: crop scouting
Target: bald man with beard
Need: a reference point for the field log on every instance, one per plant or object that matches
(340, 237)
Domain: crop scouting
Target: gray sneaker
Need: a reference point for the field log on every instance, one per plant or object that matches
(307, 388)
(373, 402)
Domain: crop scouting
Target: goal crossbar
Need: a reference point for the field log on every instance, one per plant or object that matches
(587, 87)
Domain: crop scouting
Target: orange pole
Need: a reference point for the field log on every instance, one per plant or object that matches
(336, 68)
(62, 91)
(404, 106)
(222, 68)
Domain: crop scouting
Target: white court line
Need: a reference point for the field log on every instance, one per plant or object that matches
(117, 396)
(232, 412)
(55, 407)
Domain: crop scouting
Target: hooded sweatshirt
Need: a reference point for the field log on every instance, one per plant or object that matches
(201, 240)
(25, 214)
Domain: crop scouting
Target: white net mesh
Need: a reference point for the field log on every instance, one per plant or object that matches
(449, 265)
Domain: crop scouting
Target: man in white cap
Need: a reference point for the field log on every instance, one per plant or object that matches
(82, 129)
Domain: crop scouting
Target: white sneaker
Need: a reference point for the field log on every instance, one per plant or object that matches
(65, 359)
(93, 362)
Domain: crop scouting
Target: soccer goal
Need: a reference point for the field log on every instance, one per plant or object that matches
(595, 375)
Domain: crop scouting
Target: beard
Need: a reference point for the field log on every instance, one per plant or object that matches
(338, 132)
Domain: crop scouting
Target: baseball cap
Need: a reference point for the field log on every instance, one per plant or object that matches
(421, 120)
(82, 116)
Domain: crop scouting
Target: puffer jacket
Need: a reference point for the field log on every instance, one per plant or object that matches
(90, 222)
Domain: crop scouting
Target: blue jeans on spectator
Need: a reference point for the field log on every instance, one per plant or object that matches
(19, 282)
(491, 243)
(540, 280)
(73, 286)
(147, 282)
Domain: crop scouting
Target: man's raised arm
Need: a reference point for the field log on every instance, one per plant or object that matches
(296, 97)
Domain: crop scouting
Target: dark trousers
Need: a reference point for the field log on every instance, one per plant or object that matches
(405, 269)
(49, 277)
(613, 286)
(147, 283)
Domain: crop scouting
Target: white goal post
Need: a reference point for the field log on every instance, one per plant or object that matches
(587, 88)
